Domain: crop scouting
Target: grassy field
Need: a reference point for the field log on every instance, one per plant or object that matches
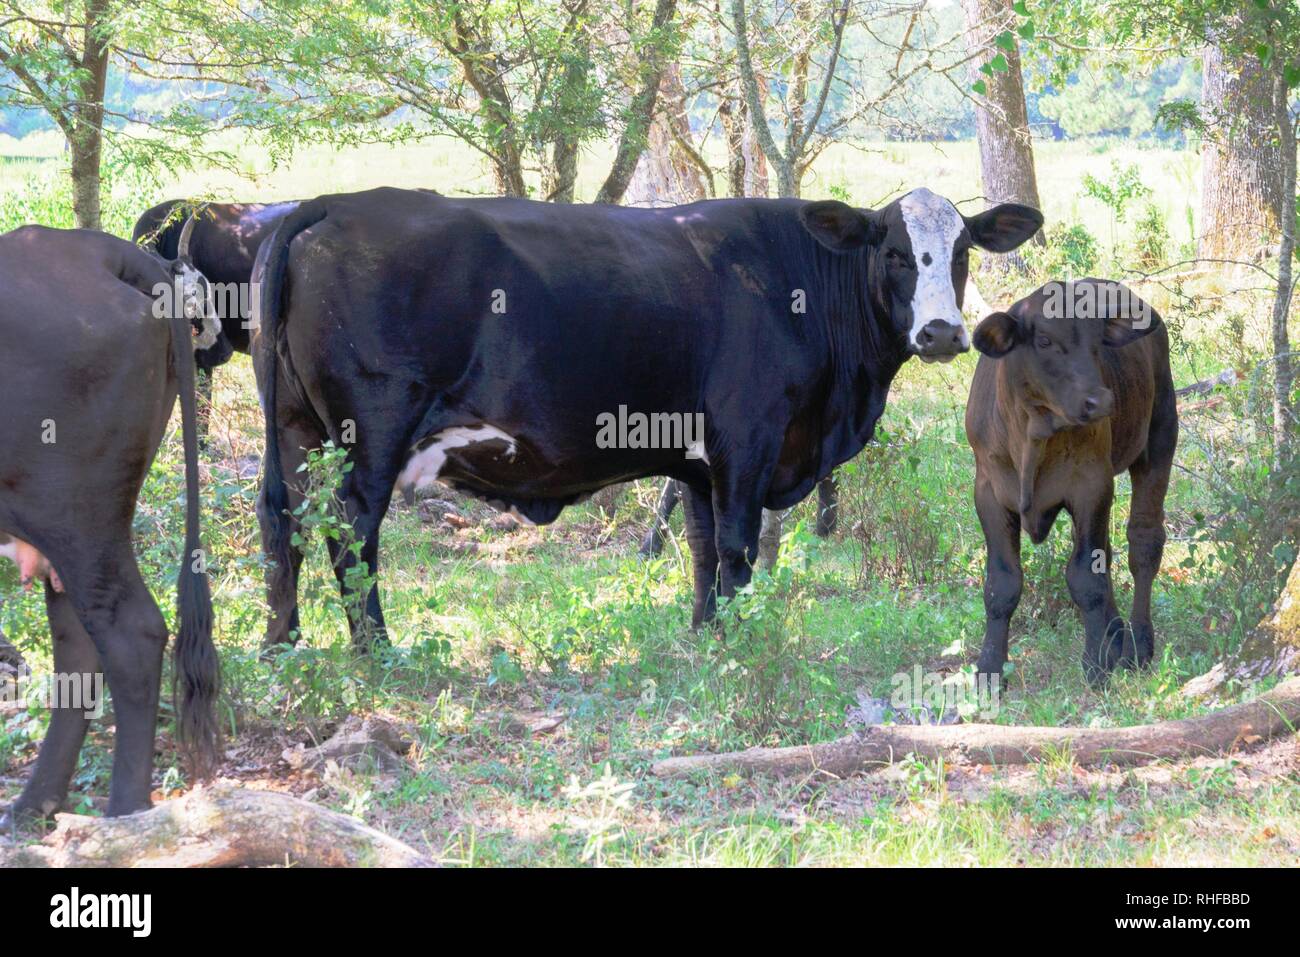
(502, 633)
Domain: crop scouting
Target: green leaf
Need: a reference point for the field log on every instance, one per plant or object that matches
(1021, 8)
(1292, 76)
(979, 87)
(1005, 40)
(999, 63)
(1026, 30)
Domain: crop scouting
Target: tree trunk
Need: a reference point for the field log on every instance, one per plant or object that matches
(1001, 117)
(640, 114)
(787, 176)
(86, 137)
(1284, 413)
(667, 172)
(746, 164)
(484, 75)
(1241, 183)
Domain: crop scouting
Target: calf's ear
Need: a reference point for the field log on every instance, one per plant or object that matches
(838, 226)
(1003, 228)
(997, 335)
(1127, 315)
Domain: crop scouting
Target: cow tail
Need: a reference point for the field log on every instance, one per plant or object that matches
(269, 345)
(196, 671)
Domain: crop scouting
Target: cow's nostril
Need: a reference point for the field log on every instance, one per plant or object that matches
(927, 337)
(1090, 405)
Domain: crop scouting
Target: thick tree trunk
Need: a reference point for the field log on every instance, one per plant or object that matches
(667, 172)
(1001, 117)
(1241, 182)
(640, 115)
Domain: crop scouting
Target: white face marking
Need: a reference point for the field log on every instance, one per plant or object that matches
(933, 225)
(423, 467)
(9, 549)
(196, 301)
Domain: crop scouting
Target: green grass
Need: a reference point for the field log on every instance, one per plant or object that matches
(567, 620)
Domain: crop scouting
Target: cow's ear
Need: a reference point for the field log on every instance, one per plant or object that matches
(1003, 228)
(1127, 315)
(997, 335)
(837, 226)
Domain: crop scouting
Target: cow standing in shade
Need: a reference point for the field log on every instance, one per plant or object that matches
(221, 240)
(1073, 388)
(91, 376)
(480, 342)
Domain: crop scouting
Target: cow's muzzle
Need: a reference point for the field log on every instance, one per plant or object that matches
(941, 341)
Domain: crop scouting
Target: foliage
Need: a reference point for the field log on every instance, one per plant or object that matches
(1070, 251)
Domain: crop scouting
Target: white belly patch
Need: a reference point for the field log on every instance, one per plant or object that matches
(423, 467)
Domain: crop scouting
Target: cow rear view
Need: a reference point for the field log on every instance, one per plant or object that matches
(1073, 388)
(91, 375)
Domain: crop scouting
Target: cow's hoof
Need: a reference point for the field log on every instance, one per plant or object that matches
(1139, 645)
(26, 812)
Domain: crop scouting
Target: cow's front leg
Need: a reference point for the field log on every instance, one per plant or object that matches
(700, 536)
(1003, 577)
(738, 520)
(1088, 575)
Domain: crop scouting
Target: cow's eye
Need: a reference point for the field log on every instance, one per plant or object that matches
(1043, 342)
(896, 257)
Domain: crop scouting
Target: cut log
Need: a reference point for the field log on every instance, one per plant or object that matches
(1273, 714)
(220, 826)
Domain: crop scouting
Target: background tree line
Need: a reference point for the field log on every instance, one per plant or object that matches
(672, 85)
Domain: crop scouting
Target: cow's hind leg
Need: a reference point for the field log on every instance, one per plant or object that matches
(653, 543)
(283, 627)
(1146, 541)
(365, 493)
(828, 506)
(1088, 576)
(74, 657)
(700, 536)
(1003, 578)
(128, 631)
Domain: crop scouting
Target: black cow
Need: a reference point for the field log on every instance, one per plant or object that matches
(1073, 388)
(221, 240)
(90, 378)
(483, 342)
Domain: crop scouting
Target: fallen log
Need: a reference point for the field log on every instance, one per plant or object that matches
(219, 826)
(1272, 714)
